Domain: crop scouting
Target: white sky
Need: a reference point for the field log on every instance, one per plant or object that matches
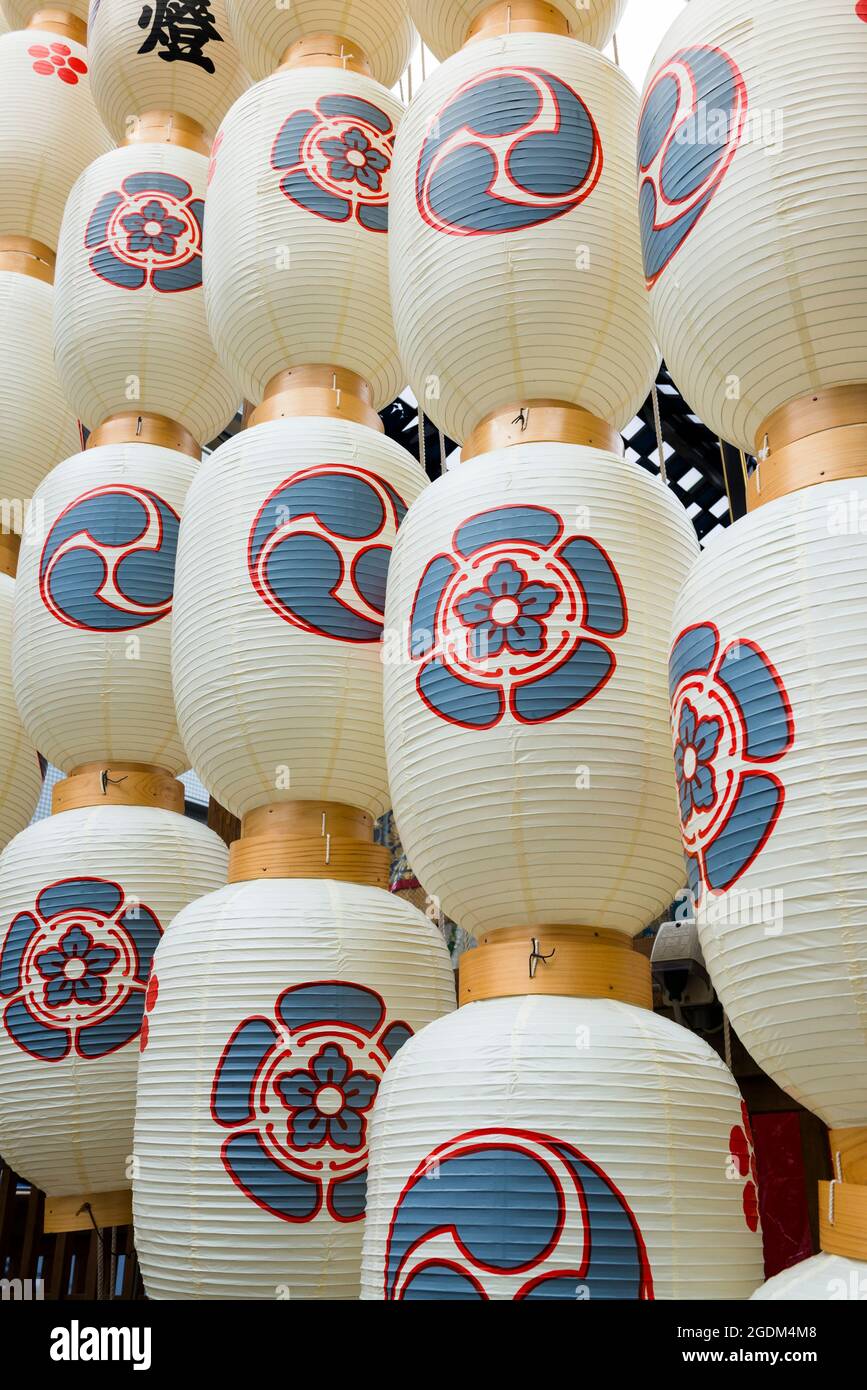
(640, 33)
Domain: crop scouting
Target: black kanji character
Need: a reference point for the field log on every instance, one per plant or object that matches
(180, 29)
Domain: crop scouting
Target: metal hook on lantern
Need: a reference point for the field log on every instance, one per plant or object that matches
(537, 955)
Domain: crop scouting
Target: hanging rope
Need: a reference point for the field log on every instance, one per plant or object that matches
(660, 447)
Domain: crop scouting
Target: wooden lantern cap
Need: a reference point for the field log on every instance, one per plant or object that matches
(168, 128)
(843, 1219)
(309, 839)
(518, 17)
(60, 21)
(10, 545)
(27, 257)
(540, 422)
(84, 1212)
(326, 51)
(145, 428)
(819, 438)
(118, 784)
(576, 962)
(314, 390)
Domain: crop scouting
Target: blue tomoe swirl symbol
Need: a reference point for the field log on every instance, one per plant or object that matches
(320, 548)
(108, 562)
(510, 149)
(690, 127)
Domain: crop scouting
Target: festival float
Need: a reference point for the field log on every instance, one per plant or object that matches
(554, 1138)
(86, 894)
(752, 138)
(279, 1000)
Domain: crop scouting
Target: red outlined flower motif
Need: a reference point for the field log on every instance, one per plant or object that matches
(57, 58)
(334, 158)
(691, 125)
(149, 232)
(744, 1156)
(295, 1092)
(511, 149)
(513, 1214)
(510, 620)
(861, 10)
(74, 970)
(151, 994)
(731, 721)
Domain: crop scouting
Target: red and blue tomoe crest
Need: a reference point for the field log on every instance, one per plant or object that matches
(731, 723)
(108, 562)
(334, 159)
(148, 232)
(320, 548)
(510, 149)
(296, 1093)
(691, 124)
(511, 620)
(513, 1214)
(74, 970)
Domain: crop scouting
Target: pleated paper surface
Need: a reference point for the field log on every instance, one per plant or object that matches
(189, 65)
(49, 130)
(824, 1278)
(515, 256)
(773, 787)
(282, 565)
(92, 634)
(559, 1148)
(84, 899)
(753, 156)
(20, 12)
(277, 1006)
(525, 689)
(20, 775)
(381, 28)
(129, 321)
(296, 267)
(443, 24)
(38, 428)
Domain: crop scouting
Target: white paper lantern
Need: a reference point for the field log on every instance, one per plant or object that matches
(824, 1278)
(278, 618)
(84, 898)
(524, 664)
(444, 24)
(129, 313)
(769, 728)
(49, 130)
(516, 1116)
(515, 256)
(278, 1005)
(264, 31)
(91, 650)
(753, 174)
(143, 59)
(38, 428)
(296, 267)
(20, 774)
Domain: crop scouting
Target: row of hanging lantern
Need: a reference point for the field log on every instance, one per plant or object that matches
(554, 1138)
(86, 894)
(280, 999)
(752, 166)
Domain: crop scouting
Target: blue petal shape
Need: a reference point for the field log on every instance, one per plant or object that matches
(537, 600)
(50, 963)
(180, 277)
(145, 932)
(603, 596)
(475, 706)
(272, 1187)
(100, 959)
(394, 1038)
(17, 938)
(440, 1283)
(303, 190)
(692, 654)
(110, 267)
(342, 503)
(330, 1067)
(422, 620)
(567, 687)
(360, 1090)
(286, 153)
(297, 1089)
(347, 1197)
(302, 571)
(95, 893)
(97, 227)
(757, 805)
(58, 992)
(375, 218)
(475, 607)
(707, 736)
(370, 573)
(524, 635)
(346, 1129)
(331, 1001)
(702, 787)
(309, 1129)
(746, 672)
(89, 989)
(505, 580)
(232, 1098)
(518, 523)
(49, 1044)
(96, 1039)
(687, 727)
(156, 181)
(342, 104)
